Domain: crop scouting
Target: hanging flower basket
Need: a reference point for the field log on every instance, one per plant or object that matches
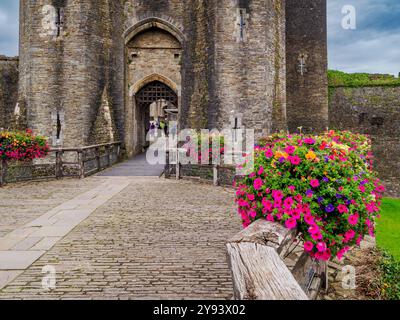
(324, 186)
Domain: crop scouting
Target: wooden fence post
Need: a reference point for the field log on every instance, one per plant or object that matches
(3, 172)
(97, 155)
(59, 165)
(258, 271)
(81, 164)
(178, 166)
(216, 174)
(109, 155)
(167, 167)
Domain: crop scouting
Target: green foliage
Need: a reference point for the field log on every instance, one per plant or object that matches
(388, 227)
(390, 279)
(342, 79)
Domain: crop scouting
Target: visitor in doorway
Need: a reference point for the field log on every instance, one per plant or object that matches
(152, 131)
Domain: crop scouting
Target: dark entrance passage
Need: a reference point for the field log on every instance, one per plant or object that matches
(151, 101)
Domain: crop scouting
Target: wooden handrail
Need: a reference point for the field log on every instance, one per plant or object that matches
(85, 148)
(107, 148)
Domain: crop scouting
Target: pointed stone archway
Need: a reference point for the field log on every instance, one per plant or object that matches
(153, 53)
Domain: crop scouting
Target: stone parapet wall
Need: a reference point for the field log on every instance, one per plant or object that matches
(374, 111)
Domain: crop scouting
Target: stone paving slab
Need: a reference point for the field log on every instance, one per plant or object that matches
(24, 202)
(8, 276)
(18, 260)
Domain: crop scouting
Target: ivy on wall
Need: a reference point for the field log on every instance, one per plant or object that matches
(342, 79)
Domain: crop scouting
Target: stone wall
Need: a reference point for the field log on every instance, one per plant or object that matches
(8, 90)
(374, 111)
(250, 65)
(232, 63)
(307, 64)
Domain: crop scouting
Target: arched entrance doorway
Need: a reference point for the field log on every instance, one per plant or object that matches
(151, 102)
(153, 55)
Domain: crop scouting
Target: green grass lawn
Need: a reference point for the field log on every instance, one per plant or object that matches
(388, 229)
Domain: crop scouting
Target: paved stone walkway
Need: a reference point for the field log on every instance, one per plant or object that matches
(135, 167)
(131, 238)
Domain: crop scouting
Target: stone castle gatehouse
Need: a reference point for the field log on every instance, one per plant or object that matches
(90, 69)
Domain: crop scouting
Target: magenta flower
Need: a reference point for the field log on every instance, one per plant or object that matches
(295, 160)
(277, 194)
(321, 247)
(270, 218)
(267, 204)
(308, 246)
(269, 153)
(251, 197)
(290, 149)
(288, 203)
(353, 219)
(260, 171)
(342, 208)
(309, 141)
(349, 235)
(258, 183)
(291, 223)
(242, 203)
(314, 183)
(252, 214)
(309, 219)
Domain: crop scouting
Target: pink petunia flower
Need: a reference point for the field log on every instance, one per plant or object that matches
(309, 219)
(277, 195)
(353, 219)
(291, 223)
(295, 160)
(258, 183)
(314, 183)
(317, 236)
(270, 218)
(321, 247)
(267, 204)
(342, 208)
(252, 214)
(269, 153)
(308, 246)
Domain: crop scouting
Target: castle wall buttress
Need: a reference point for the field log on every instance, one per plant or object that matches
(307, 64)
(65, 58)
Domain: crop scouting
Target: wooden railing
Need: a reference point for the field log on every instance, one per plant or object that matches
(214, 171)
(64, 162)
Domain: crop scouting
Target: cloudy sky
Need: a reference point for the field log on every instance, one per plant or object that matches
(374, 46)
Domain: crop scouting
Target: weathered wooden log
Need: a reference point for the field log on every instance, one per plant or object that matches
(311, 275)
(258, 271)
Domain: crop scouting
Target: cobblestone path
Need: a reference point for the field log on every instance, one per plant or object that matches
(155, 239)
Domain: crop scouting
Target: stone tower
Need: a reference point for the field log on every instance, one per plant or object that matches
(85, 64)
(307, 64)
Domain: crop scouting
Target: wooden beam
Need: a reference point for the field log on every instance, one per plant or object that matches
(258, 271)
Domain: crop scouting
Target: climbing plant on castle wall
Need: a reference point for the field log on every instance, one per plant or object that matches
(22, 146)
(324, 186)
